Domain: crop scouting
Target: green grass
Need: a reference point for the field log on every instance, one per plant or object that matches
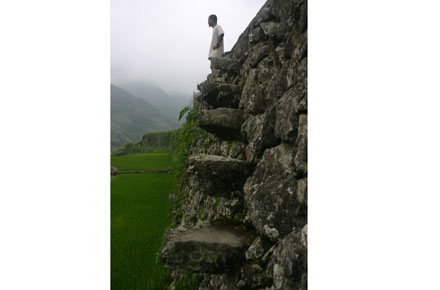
(188, 282)
(140, 211)
(160, 159)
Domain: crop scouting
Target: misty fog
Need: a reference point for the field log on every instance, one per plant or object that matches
(165, 43)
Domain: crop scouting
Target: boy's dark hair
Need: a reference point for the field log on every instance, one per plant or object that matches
(213, 17)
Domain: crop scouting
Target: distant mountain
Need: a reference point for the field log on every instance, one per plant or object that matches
(169, 105)
(132, 117)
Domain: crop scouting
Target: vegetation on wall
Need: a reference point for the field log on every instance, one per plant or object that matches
(188, 135)
(182, 141)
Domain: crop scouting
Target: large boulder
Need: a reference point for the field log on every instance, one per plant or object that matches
(286, 125)
(292, 104)
(264, 85)
(271, 194)
(205, 249)
(288, 265)
(258, 131)
(259, 52)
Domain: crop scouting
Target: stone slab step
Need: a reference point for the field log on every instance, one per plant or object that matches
(226, 64)
(221, 94)
(211, 249)
(223, 122)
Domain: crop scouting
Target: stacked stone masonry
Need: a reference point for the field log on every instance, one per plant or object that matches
(244, 222)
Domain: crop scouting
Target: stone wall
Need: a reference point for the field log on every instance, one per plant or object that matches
(243, 222)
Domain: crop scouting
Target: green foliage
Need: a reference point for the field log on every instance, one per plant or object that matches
(129, 146)
(238, 216)
(217, 202)
(184, 111)
(188, 282)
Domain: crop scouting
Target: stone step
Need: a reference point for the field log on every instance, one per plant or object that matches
(226, 64)
(217, 175)
(205, 250)
(221, 94)
(223, 122)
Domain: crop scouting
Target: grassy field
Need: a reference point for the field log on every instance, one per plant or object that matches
(160, 159)
(140, 211)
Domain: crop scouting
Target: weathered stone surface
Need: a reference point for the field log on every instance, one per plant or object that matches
(211, 145)
(222, 122)
(301, 145)
(259, 52)
(258, 130)
(252, 96)
(296, 72)
(284, 9)
(289, 262)
(264, 85)
(240, 49)
(216, 175)
(302, 191)
(276, 86)
(220, 94)
(255, 35)
(299, 92)
(256, 250)
(252, 276)
(226, 64)
(218, 282)
(271, 194)
(206, 207)
(286, 125)
(263, 15)
(270, 28)
(300, 45)
(205, 250)
(252, 130)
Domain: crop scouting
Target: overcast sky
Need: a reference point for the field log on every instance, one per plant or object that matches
(166, 42)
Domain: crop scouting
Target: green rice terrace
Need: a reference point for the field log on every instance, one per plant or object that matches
(159, 159)
(140, 212)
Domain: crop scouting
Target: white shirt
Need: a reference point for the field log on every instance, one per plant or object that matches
(216, 32)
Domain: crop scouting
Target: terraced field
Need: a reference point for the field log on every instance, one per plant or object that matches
(140, 211)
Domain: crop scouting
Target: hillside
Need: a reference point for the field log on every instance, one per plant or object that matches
(170, 106)
(132, 117)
